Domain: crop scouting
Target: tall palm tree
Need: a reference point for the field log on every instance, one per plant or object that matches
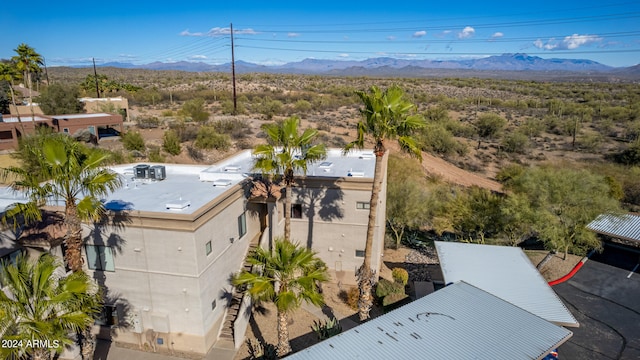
(8, 73)
(285, 153)
(387, 115)
(28, 61)
(42, 305)
(288, 275)
(73, 173)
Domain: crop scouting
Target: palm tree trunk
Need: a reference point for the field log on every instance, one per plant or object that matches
(13, 99)
(283, 347)
(365, 273)
(88, 344)
(73, 256)
(287, 212)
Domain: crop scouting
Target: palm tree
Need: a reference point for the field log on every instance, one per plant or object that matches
(286, 153)
(288, 275)
(386, 115)
(8, 73)
(72, 173)
(41, 305)
(28, 61)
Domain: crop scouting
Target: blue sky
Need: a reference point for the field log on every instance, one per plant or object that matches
(275, 32)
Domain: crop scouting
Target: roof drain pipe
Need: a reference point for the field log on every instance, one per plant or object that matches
(573, 271)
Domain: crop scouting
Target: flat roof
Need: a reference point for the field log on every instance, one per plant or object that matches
(189, 187)
(459, 321)
(626, 226)
(79, 116)
(14, 119)
(505, 272)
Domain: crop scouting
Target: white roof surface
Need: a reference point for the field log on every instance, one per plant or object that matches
(79, 116)
(459, 321)
(189, 187)
(14, 119)
(625, 226)
(505, 272)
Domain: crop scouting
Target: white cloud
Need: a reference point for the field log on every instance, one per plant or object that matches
(497, 35)
(391, 37)
(443, 33)
(419, 34)
(571, 42)
(291, 35)
(197, 57)
(343, 55)
(467, 32)
(218, 31)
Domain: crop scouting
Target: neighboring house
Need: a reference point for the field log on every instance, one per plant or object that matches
(117, 104)
(180, 231)
(95, 124)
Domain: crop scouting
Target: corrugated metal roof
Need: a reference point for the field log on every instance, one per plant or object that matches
(625, 226)
(505, 272)
(457, 322)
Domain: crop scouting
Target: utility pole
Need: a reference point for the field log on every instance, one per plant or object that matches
(95, 76)
(233, 74)
(46, 71)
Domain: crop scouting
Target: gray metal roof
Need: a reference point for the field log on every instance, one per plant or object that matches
(505, 272)
(457, 322)
(625, 226)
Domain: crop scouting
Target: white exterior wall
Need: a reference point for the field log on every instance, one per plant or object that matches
(162, 272)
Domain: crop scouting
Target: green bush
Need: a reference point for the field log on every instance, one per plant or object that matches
(386, 287)
(350, 297)
(393, 298)
(400, 275)
(171, 142)
(261, 351)
(515, 142)
(133, 140)
(209, 138)
(194, 110)
(155, 155)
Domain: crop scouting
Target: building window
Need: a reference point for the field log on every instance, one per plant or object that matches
(65, 130)
(100, 257)
(207, 247)
(296, 211)
(360, 253)
(108, 316)
(362, 205)
(242, 224)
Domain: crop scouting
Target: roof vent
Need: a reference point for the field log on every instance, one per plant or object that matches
(355, 173)
(232, 168)
(366, 156)
(222, 182)
(178, 204)
(325, 164)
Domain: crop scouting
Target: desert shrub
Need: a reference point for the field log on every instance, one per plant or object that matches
(194, 110)
(437, 139)
(393, 298)
(261, 351)
(237, 129)
(151, 122)
(171, 142)
(209, 138)
(155, 155)
(269, 107)
(629, 156)
(350, 297)
(194, 153)
(400, 275)
(323, 126)
(515, 142)
(302, 106)
(132, 140)
(386, 287)
(167, 112)
(326, 329)
(590, 142)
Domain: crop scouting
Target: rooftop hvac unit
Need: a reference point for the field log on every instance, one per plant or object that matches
(158, 172)
(141, 171)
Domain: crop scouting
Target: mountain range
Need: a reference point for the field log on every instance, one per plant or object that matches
(402, 67)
